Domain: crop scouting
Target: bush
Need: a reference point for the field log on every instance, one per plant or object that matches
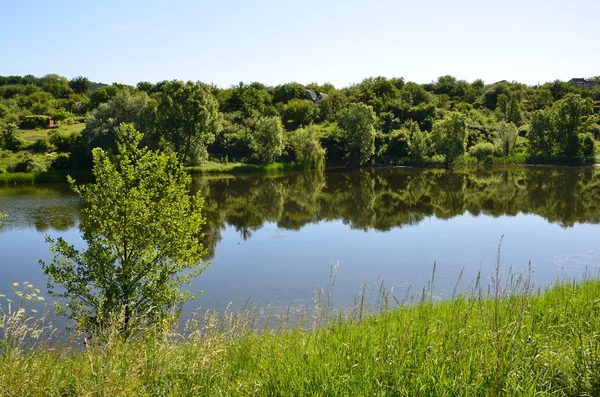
(61, 162)
(34, 121)
(28, 164)
(64, 142)
(42, 146)
(398, 145)
(587, 145)
(9, 139)
(481, 151)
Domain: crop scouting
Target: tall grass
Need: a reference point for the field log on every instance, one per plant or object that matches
(500, 338)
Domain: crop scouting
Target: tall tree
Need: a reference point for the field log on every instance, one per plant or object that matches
(80, 85)
(559, 130)
(103, 123)
(449, 135)
(267, 140)
(357, 133)
(188, 119)
(142, 230)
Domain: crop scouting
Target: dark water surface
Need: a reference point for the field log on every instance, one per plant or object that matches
(273, 239)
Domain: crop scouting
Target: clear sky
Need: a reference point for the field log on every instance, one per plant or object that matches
(278, 41)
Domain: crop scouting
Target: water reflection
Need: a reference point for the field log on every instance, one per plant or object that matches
(42, 207)
(379, 199)
(383, 199)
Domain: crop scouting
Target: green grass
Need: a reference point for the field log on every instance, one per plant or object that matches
(492, 342)
(24, 178)
(33, 135)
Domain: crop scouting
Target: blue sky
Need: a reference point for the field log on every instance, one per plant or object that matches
(228, 41)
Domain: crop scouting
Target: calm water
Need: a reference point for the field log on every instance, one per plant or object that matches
(273, 240)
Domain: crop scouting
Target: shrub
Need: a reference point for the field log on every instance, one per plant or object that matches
(9, 139)
(587, 145)
(42, 146)
(28, 164)
(64, 142)
(482, 151)
(34, 121)
(61, 162)
(399, 142)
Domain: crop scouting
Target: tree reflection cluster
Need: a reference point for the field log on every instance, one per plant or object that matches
(374, 198)
(386, 198)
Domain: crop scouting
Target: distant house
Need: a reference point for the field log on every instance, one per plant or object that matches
(311, 95)
(51, 123)
(583, 82)
(321, 97)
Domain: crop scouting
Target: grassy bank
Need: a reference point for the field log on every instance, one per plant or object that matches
(523, 343)
(23, 178)
(242, 168)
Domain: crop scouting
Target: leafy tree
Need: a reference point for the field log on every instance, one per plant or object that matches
(508, 108)
(449, 135)
(103, 123)
(267, 141)
(540, 141)
(306, 146)
(102, 95)
(418, 143)
(357, 133)
(80, 85)
(286, 92)
(298, 113)
(9, 139)
(56, 85)
(558, 130)
(505, 137)
(188, 119)
(143, 233)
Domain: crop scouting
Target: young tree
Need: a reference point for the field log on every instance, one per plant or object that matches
(449, 135)
(267, 140)
(357, 123)
(306, 146)
(143, 234)
(506, 138)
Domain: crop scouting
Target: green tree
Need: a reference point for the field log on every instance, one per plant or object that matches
(306, 146)
(286, 92)
(298, 113)
(449, 136)
(267, 140)
(188, 119)
(508, 108)
(559, 130)
(143, 235)
(418, 143)
(505, 138)
(103, 123)
(80, 85)
(357, 133)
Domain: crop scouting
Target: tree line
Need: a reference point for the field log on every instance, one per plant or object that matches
(378, 120)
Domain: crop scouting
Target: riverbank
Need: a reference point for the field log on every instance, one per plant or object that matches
(516, 342)
(20, 178)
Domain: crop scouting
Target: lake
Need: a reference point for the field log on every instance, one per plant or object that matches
(272, 240)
